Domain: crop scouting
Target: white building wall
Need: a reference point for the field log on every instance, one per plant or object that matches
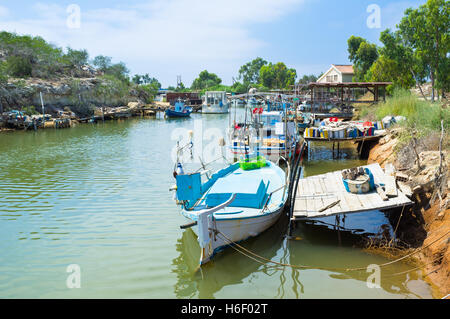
(332, 76)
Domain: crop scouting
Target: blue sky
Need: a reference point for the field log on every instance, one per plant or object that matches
(166, 38)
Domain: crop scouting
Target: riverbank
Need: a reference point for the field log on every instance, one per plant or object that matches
(425, 176)
(19, 120)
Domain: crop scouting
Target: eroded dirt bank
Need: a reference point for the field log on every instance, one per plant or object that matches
(426, 225)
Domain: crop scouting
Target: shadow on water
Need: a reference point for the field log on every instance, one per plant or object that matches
(312, 246)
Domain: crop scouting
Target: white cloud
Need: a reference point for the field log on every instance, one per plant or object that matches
(163, 37)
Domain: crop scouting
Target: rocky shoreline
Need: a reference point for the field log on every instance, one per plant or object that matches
(426, 225)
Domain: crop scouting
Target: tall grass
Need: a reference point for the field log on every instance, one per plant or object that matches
(420, 114)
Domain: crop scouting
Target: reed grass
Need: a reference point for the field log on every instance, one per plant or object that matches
(421, 115)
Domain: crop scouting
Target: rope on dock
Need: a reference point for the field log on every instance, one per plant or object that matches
(262, 260)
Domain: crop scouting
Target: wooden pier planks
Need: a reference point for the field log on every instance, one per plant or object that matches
(317, 192)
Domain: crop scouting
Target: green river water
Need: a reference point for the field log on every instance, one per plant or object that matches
(97, 195)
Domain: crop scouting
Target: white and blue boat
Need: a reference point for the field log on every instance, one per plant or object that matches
(179, 110)
(273, 138)
(235, 203)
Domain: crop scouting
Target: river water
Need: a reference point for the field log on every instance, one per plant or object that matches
(97, 196)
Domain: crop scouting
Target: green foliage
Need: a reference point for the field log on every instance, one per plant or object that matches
(363, 54)
(145, 79)
(31, 56)
(308, 78)
(426, 32)
(111, 88)
(118, 70)
(419, 114)
(102, 63)
(18, 66)
(353, 46)
(29, 110)
(3, 73)
(205, 80)
(147, 91)
(277, 76)
(388, 70)
(239, 88)
(249, 72)
(76, 58)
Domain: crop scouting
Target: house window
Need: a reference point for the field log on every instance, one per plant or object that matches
(329, 79)
(335, 78)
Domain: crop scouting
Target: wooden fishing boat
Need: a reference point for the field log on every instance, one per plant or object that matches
(179, 110)
(268, 134)
(237, 202)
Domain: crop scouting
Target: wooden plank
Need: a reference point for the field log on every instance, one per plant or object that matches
(329, 206)
(391, 187)
(316, 185)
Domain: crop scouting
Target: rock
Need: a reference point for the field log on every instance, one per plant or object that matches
(383, 152)
(135, 105)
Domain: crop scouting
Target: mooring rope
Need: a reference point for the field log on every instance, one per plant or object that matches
(234, 245)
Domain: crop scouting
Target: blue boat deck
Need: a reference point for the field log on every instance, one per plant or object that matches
(253, 189)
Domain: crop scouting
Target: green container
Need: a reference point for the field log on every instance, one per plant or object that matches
(252, 163)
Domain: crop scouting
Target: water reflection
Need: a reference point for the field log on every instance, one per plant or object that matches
(312, 245)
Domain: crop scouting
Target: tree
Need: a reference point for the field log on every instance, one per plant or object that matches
(76, 58)
(102, 63)
(277, 76)
(363, 54)
(205, 80)
(307, 79)
(406, 69)
(353, 46)
(239, 88)
(137, 79)
(249, 72)
(426, 31)
(120, 71)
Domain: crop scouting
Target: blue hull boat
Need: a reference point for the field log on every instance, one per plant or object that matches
(179, 110)
(234, 204)
(172, 113)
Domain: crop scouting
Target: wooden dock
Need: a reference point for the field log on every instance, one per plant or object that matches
(325, 195)
(347, 139)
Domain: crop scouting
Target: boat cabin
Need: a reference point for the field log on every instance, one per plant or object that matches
(215, 98)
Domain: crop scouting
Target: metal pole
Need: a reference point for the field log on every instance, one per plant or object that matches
(43, 108)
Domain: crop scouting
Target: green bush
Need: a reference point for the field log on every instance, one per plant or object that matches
(18, 66)
(3, 74)
(29, 110)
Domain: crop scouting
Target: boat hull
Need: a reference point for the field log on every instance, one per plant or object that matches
(237, 230)
(215, 109)
(172, 113)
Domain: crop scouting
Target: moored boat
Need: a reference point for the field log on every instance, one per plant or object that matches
(179, 110)
(268, 134)
(215, 103)
(237, 202)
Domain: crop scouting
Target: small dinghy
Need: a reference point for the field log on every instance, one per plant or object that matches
(237, 202)
(179, 110)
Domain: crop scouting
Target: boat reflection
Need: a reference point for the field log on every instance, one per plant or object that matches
(313, 245)
(227, 268)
